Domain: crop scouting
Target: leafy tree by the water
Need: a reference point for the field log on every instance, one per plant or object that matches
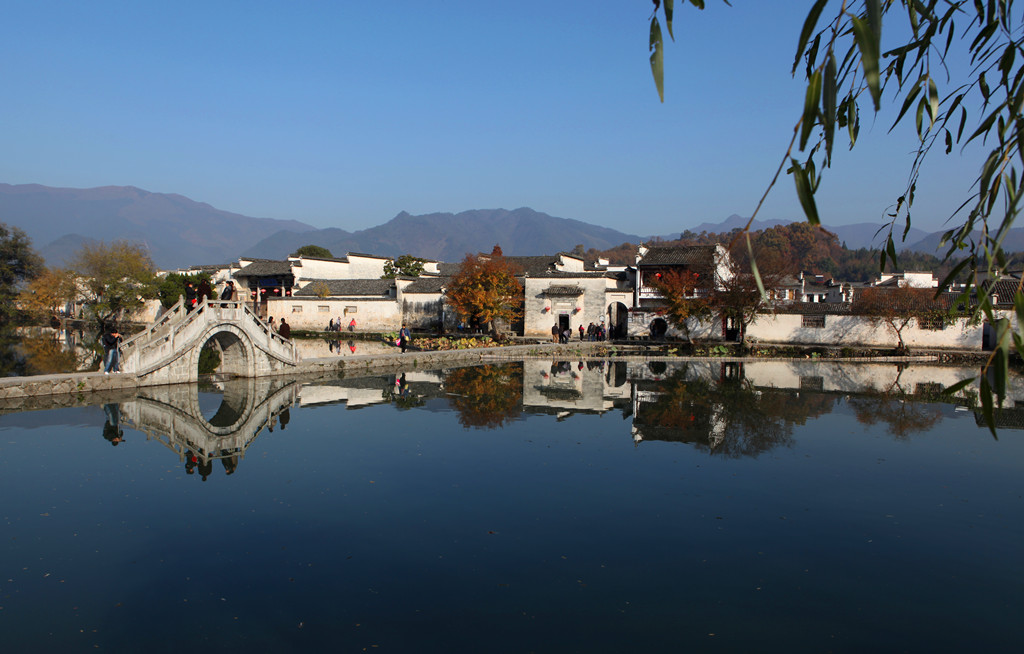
(485, 289)
(686, 295)
(114, 279)
(18, 263)
(46, 295)
(314, 251)
(896, 307)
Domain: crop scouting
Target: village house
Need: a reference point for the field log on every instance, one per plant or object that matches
(710, 264)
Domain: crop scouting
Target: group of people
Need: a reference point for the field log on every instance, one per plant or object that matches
(334, 325)
(593, 332)
(194, 295)
(282, 328)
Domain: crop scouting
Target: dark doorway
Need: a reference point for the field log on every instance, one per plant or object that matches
(658, 328)
(563, 322)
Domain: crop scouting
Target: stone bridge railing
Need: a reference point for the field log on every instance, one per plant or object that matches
(168, 350)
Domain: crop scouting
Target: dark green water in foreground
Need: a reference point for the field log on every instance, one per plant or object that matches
(544, 506)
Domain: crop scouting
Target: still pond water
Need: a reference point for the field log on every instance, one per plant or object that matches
(548, 506)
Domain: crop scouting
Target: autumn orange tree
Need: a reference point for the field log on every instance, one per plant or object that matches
(485, 289)
(486, 396)
(47, 294)
(686, 298)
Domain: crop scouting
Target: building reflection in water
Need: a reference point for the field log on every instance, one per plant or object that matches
(724, 408)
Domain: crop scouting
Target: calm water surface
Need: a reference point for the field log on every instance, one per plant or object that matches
(538, 506)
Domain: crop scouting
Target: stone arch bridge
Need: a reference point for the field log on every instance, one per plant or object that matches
(167, 352)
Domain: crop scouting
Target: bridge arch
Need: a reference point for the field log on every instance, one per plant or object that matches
(168, 351)
(237, 354)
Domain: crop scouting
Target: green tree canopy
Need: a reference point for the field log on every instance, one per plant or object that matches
(404, 266)
(314, 251)
(114, 279)
(18, 263)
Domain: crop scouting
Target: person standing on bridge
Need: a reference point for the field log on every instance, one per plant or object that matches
(284, 329)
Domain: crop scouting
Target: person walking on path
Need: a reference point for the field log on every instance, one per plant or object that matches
(112, 358)
(284, 329)
(582, 331)
(404, 337)
(555, 333)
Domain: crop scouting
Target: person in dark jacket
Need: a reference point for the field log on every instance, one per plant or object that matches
(404, 337)
(284, 329)
(112, 358)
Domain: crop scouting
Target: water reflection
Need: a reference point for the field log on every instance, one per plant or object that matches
(45, 350)
(173, 416)
(724, 409)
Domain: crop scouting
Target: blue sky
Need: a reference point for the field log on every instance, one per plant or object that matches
(341, 114)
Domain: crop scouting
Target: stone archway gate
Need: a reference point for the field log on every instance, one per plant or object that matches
(168, 351)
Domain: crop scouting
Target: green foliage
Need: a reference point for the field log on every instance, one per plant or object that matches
(18, 263)
(209, 360)
(404, 266)
(172, 286)
(314, 251)
(115, 279)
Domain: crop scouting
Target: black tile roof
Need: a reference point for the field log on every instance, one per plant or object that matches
(427, 285)
(691, 255)
(265, 267)
(348, 287)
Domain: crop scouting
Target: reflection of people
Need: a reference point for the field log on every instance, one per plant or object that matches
(111, 356)
(206, 468)
(112, 427)
(352, 346)
(190, 463)
(285, 417)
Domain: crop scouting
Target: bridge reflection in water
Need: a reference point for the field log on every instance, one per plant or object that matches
(173, 416)
(723, 408)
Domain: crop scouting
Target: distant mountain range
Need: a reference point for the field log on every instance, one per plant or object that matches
(177, 231)
(449, 237)
(180, 232)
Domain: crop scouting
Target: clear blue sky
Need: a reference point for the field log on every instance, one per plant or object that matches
(341, 114)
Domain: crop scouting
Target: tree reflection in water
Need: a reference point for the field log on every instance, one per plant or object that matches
(45, 351)
(731, 418)
(901, 416)
(486, 396)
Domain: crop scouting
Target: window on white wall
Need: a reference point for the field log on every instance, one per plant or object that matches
(813, 321)
(296, 308)
(323, 308)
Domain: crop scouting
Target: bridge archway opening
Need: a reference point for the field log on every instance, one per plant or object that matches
(223, 404)
(232, 353)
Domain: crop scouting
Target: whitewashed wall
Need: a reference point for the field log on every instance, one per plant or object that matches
(857, 330)
(371, 315)
(537, 322)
